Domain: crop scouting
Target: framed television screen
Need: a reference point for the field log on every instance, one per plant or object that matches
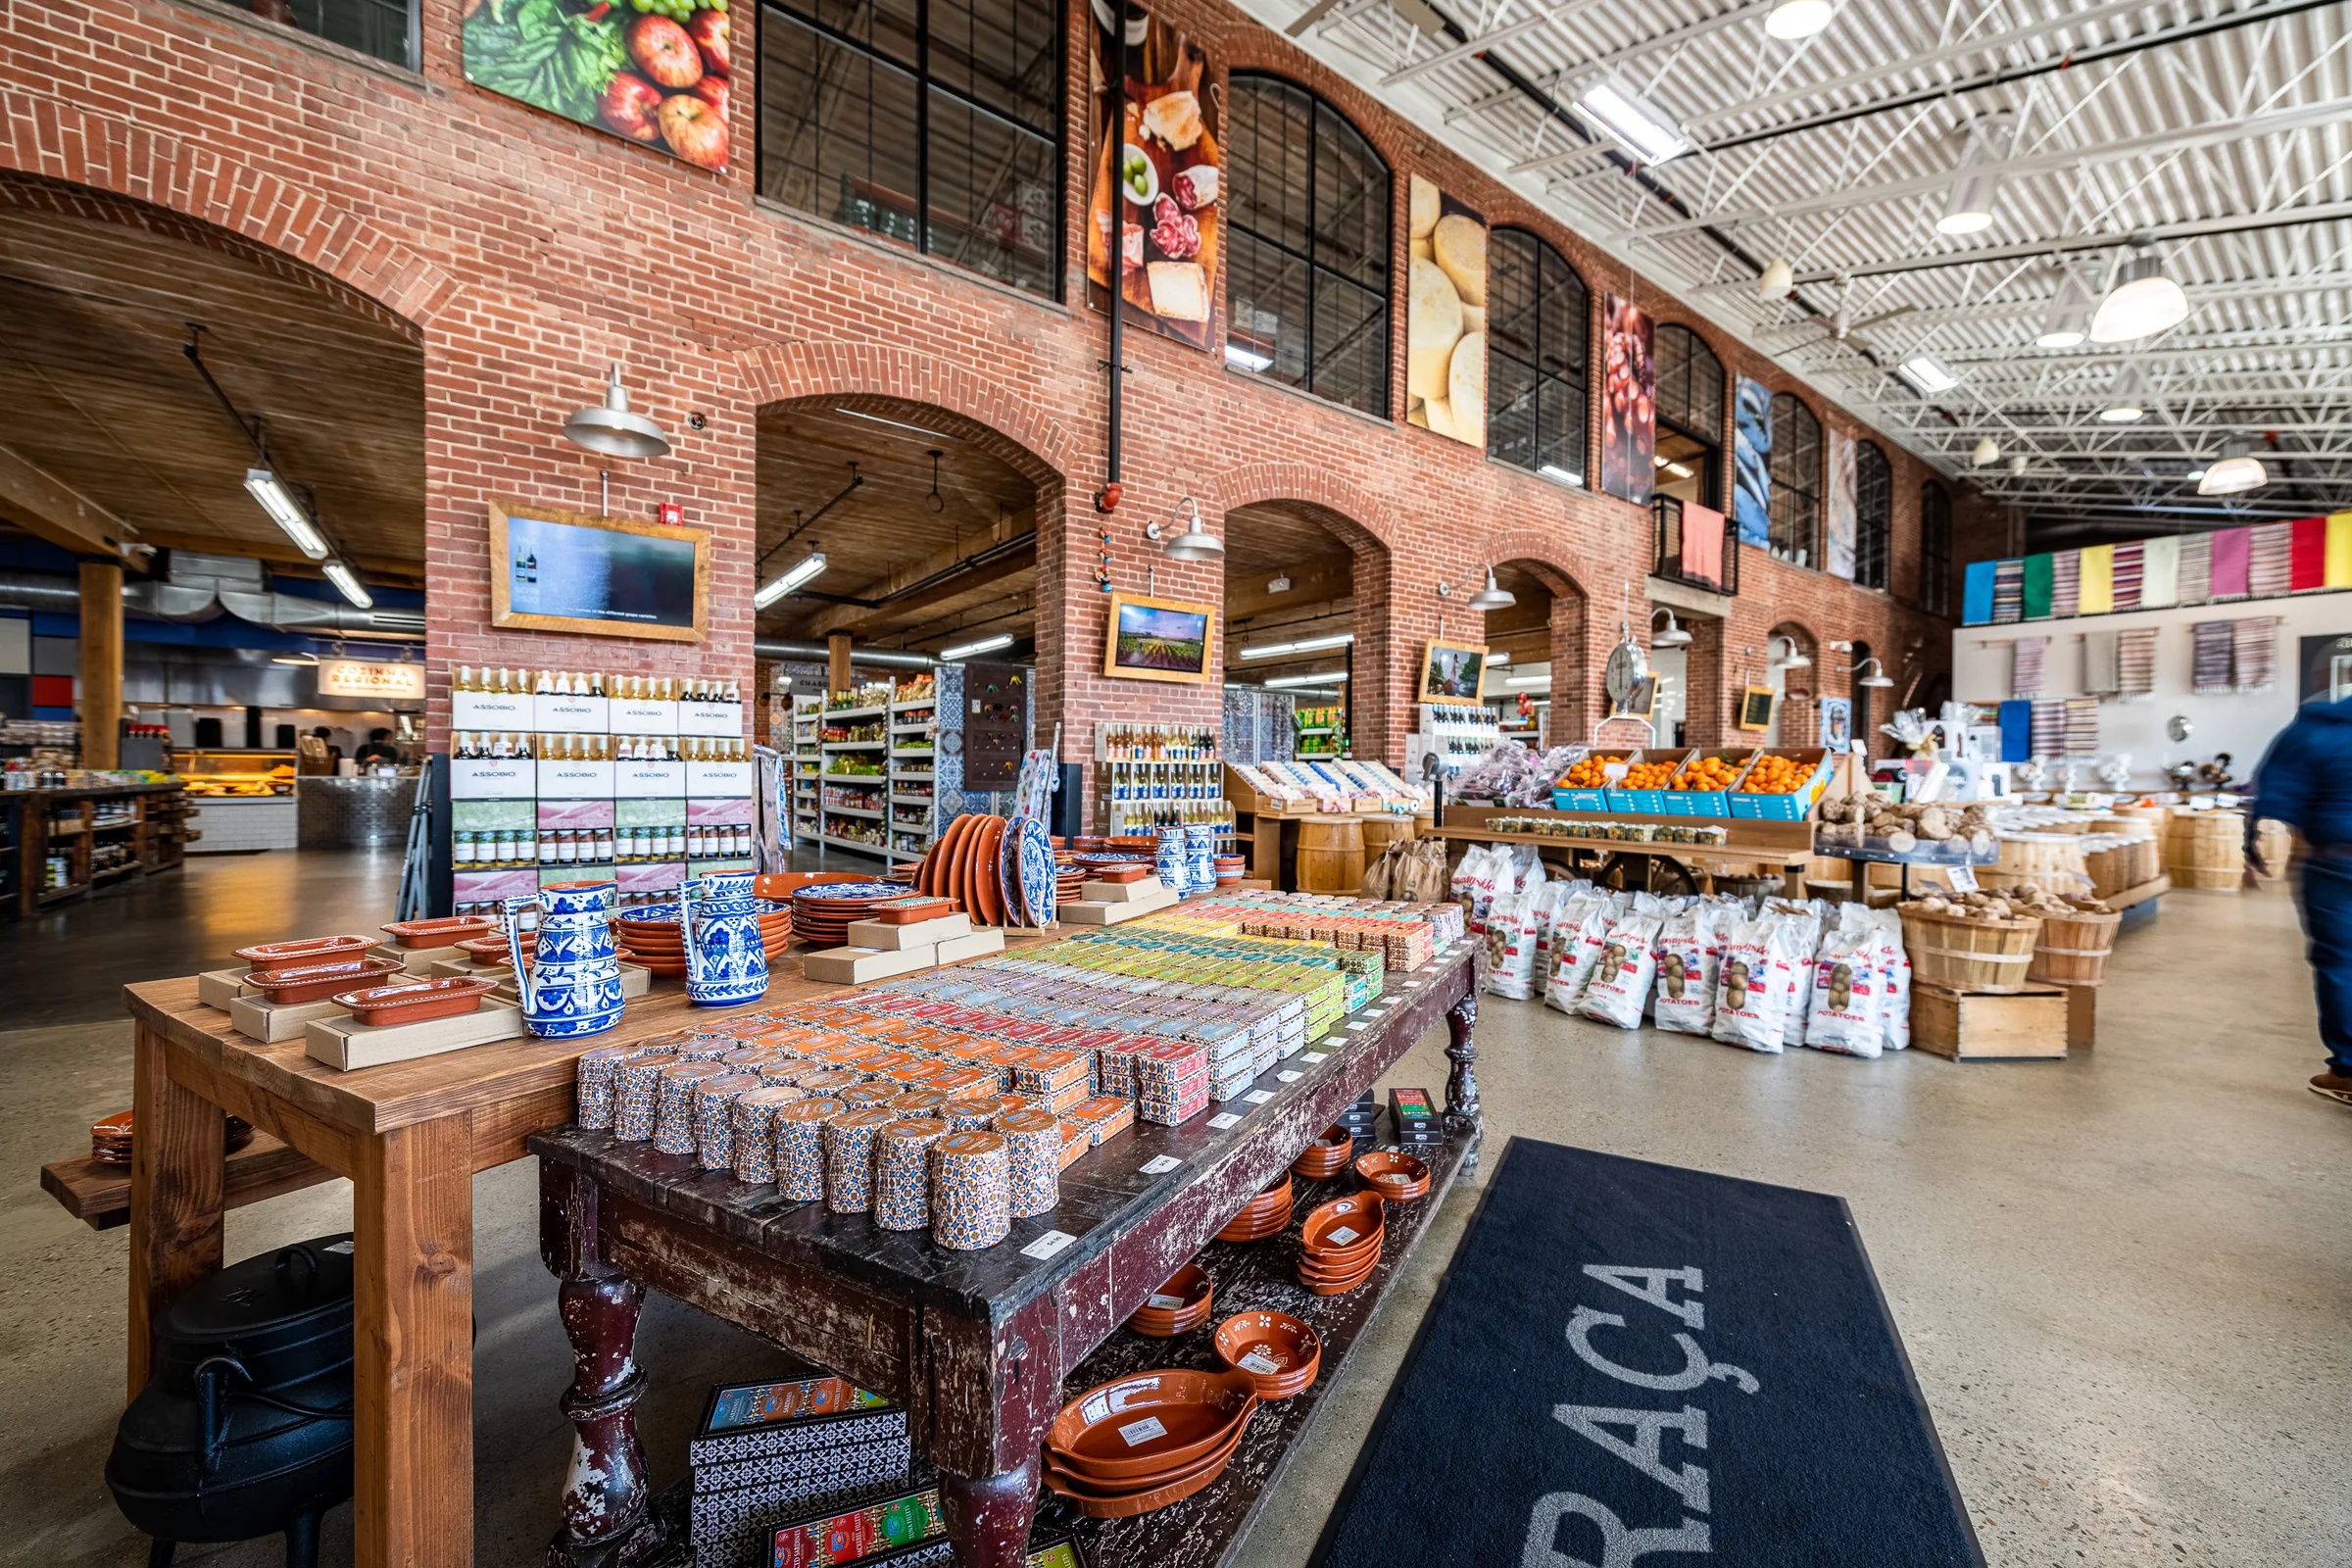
(557, 570)
(1159, 639)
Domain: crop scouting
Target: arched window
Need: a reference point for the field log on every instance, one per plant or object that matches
(1539, 329)
(1935, 549)
(1874, 514)
(933, 122)
(1690, 409)
(1796, 466)
(1308, 285)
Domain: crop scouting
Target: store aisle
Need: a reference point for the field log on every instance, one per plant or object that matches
(2121, 1279)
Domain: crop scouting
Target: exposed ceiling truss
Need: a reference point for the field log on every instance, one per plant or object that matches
(2220, 128)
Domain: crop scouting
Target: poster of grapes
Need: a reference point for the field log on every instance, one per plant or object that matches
(1628, 387)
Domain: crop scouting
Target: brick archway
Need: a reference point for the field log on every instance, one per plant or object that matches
(1033, 441)
(1362, 522)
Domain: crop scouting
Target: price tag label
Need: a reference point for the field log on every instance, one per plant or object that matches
(1141, 1432)
(1314, 1056)
(1289, 1077)
(1160, 1165)
(1048, 1245)
(1964, 878)
(1258, 1097)
(1224, 1120)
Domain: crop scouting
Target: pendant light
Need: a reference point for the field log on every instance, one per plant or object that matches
(1798, 18)
(1196, 543)
(1492, 597)
(1776, 282)
(611, 430)
(2141, 302)
(2237, 472)
(2129, 399)
(1878, 682)
(1967, 209)
(1674, 636)
(1988, 451)
(1796, 657)
(2068, 322)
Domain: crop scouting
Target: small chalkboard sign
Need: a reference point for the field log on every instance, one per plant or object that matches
(1755, 708)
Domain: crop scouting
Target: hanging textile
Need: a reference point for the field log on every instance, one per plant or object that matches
(2083, 726)
(2037, 586)
(2195, 582)
(1975, 594)
(2099, 677)
(2050, 727)
(2126, 575)
(2135, 661)
(2338, 572)
(2160, 572)
(2096, 595)
(2017, 731)
(2255, 649)
(2008, 591)
(2066, 583)
(2232, 559)
(2270, 564)
(2028, 656)
(2209, 665)
(2307, 555)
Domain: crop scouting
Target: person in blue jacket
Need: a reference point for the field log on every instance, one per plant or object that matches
(2305, 781)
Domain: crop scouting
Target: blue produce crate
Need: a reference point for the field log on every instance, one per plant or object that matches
(1793, 806)
(1647, 802)
(1696, 803)
(1580, 800)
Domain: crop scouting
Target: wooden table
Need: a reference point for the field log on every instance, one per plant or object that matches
(975, 1344)
(410, 1136)
(1786, 845)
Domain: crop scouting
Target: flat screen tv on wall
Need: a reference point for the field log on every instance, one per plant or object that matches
(555, 570)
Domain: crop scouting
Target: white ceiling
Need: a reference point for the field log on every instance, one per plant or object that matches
(2223, 127)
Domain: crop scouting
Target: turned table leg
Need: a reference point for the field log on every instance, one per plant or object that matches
(606, 1519)
(1462, 1084)
(989, 1517)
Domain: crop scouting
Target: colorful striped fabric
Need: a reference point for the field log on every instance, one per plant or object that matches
(1975, 594)
(2339, 550)
(2135, 661)
(2126, 575)
(2100, 674)
(2160, 570)
(2038, 585)
(2066, 583)
(2208, 664)
(2027, 661)
(2195, 581)
(2097, 595)
(2232, 561)
(2008, 591)
(2270, 570)
(2049, 726)
(2255, 649)
(2081, 726)
(2307, 555)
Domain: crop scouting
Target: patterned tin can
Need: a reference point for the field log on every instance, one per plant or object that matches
(715, 1117)
(788, 1072)
(970, 1114)
(674, 1125)
(801, 1147)
(637, 1094)
(701, 1047)
(849, 1158)
(1033, 1152)
(750, 1058)
(756, 1130)
(971, 1190)
(860, 1097)
(594, 1087)
(917, 1102)
(902, 1172)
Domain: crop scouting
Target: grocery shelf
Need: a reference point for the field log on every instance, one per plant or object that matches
(850, 810)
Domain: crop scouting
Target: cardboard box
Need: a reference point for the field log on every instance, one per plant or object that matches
(854, 966)
(1148, 890)
(979, 944)
(346, 1045)
(889, 937)
(220, 987)
(275, 1024)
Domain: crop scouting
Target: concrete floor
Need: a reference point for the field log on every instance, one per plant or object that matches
(2124, 1280)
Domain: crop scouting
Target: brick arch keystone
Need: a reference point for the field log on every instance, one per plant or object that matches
(49, 140)
(782, 373)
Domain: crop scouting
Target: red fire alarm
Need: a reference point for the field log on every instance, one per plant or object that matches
(669, 513)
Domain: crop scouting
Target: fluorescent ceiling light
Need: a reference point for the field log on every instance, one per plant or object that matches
(1646, 130)
(2238, 470)
(1552, 470)
(1928, 374)
(2143, 301)
(1333, 678)
(1527, 681)
(1658, 462)
(986, 645)
(1679, 471)
(800, 573)
(305, 659)
(898, 424)
(284, 511)
(1798, 18)
(347, 583)
(1497, 660)
(1246, 359)
(1305, 646)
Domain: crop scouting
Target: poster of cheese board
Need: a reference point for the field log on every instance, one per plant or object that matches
(1157, 205)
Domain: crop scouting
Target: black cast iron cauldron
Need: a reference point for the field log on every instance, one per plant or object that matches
(244, 1430)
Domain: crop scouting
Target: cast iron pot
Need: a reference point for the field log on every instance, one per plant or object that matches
(244, 1429)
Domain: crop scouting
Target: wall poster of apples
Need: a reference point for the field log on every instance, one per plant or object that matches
(653, 70)
(1629, 390)
(1445, 317)
(1169, 180)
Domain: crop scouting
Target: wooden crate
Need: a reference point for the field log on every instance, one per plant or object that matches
(2030, 1024)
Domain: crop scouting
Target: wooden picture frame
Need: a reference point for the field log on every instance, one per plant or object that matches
(1159, 649)
(654, 624)
(1443, 679)
(1644, 702)
(1755, 708)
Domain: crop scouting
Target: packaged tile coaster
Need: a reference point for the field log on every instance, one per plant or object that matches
(1416, 1117)
(673, 1127)
(902, 1172)
(971, 1189)
(856, 1534)
(1033, 1152)
(801, 1147)
(715, 1117)
(756, 1130)
(849, 1158)
(1104, 1116)
(593, 1086)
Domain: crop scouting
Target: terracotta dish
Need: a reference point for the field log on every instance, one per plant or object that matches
(1178, 1307)
(379, 1006)
(1279, 1353)
(1071, 1484)
(1121, 873)
(1327, 1156)
(440, 933)
(272, 954)
(111, 1137)
(910, 910)
(1394, 1175)
(314, 982)
(1149, 1423)
(1341, 1228)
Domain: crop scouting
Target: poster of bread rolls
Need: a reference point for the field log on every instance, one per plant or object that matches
(1446, 317)
(1629, 390)
(1157, 205)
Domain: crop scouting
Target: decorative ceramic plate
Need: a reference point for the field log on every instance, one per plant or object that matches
(1037, 877)
(848, 892)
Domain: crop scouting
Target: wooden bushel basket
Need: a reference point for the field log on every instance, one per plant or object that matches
(2072, 948)
(1986, 955)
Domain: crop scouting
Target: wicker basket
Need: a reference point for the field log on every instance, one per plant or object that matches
(2073, 950)
(1984, 955)
(2051, 861)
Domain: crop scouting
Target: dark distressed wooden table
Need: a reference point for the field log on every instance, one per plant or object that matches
(975, 1344)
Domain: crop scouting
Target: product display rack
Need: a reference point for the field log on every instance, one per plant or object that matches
(913, 776)
(62, 844)
(808, 720)
(1146, 780)
(845, 801)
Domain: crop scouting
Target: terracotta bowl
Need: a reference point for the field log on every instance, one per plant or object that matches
(1278, 1352)
(440, 933)
(1075, 1484)
(1129, 1505)
(1192, 1413)
(1178, 1307)
(315, 982)
(1338, 1286)
(379, 1006)
(303, 950)
(1392, 1175)
(1339, 1231)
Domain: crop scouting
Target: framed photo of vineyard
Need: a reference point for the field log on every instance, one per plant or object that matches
(1159, 639)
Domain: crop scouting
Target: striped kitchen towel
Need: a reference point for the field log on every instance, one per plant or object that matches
(2271, 569)
(2050, 727)
(2097, 595)
(2066, 583)
(2339, 550)
(2083, 726)
(2008, 591)
(2036, 590)
(2256, 648)
(2209, 665)
(2233, 560)
(2135, 661)
(2160, 570)
(2027, 665)
(2126, 575)
(2307, 555)
(2194, 585)
(1976, 593)
(2100, 676)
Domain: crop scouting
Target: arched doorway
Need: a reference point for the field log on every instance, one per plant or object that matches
(1303, 590)
(1536, 651)
(1792, 668)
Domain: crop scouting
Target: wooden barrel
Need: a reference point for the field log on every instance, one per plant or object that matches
(2158, 818)
(1330, 857)
(2207, 850)
(1382, 831)
(2050, 860)
(2275, 840)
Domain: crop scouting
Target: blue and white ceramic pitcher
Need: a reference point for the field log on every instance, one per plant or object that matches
(719, 918)
(571, 987)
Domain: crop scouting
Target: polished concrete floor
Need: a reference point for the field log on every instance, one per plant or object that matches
(2125, 1279)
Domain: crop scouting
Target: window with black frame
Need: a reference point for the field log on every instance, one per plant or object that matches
(1874, 514)
(1307, 225)
(1690, 414)
(933, 122)
(1935, 547)
(1794, 511)
(1538, 326)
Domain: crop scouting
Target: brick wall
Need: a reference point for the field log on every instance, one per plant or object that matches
(525, 253)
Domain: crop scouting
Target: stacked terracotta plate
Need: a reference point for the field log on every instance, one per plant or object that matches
(1392, 1175)
(652, 939)
(1262, 1217)
(966, 863)
(1143, 1442)
(1338, 1246)
(1179, 1306)
(111, 1137)
(1327, 1156)
(821, 913)
(1230, 869)
(1280, 1354)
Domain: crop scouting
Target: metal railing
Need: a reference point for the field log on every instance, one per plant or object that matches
(1670, 560)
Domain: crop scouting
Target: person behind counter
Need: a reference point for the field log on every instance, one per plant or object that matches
(378, 748)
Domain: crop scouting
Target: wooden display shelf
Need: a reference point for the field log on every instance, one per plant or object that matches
(2142, 894)
(98, 1194)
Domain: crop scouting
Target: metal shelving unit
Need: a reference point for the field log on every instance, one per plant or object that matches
(808, 722)
(913, 819)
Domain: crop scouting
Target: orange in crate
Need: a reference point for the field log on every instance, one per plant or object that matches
(1707, 773)
(1588, 773)
(1647, 777)
(1775, 775)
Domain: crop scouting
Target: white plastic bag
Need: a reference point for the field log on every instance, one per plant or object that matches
(1689, 951)
(1895, 1014)
(1848, 982)
(1511, 938)
(1619, 986)
(1805, 940)
(1751, 991)
(1576, 934)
